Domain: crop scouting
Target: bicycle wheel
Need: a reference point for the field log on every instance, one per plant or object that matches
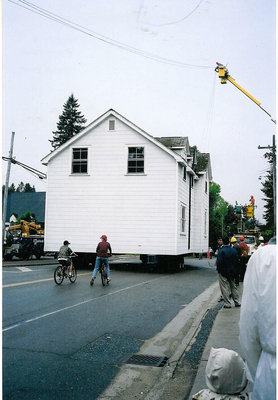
(58, 275)
(73, 275)
(103, 275)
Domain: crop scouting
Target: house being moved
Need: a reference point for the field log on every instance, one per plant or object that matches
(149, 195)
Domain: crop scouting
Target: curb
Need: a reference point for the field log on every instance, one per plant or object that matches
(149, 383)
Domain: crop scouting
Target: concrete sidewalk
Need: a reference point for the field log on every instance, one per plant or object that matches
(224, 333)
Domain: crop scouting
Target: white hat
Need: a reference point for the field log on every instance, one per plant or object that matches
(225, 372)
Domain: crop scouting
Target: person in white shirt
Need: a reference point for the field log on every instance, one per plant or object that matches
(257, 325)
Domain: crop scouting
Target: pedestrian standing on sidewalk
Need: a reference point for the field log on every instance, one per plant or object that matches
(226, 264)
(257, 324)
(235, 245)
(102, 255)
(244, 249)
(225, 377)
(219, 246)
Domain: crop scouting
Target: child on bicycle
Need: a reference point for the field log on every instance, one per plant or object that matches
(102, 254)
(64, 256)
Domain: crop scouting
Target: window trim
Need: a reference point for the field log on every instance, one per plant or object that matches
(182, 219)
(144, 160)
(71, 161)
(184, 174)
(114, 125)
(206, 224)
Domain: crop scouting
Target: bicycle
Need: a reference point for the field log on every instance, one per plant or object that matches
(103, 273)
(62, 271)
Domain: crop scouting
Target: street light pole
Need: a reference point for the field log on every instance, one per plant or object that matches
(7, 185)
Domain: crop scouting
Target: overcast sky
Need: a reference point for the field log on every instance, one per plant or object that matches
(165, 83)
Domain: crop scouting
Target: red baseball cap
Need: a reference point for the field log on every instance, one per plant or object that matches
(103, 237)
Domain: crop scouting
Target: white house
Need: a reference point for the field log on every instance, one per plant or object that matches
(148, 195)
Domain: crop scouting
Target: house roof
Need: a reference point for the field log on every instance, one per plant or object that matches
(175, 142)
(20, 202)
(100, 119)
(203, 163)
(167, 144)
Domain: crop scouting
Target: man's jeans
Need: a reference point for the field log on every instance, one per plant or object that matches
(98, 260)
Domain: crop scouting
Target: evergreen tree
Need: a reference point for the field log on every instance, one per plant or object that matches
(11, 189)
(268, 192)
(20, 187)
(28, 188)
(70, 123)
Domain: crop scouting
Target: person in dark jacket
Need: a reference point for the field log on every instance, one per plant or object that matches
(235, 245)
(103, 252)
(244, 249)
(226, 265)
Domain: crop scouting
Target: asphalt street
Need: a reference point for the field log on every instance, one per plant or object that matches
(69, 341)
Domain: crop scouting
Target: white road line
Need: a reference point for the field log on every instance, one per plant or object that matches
(77, 305)
(24, 269)
(36, 281)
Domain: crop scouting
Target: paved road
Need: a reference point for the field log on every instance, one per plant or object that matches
(68, 341)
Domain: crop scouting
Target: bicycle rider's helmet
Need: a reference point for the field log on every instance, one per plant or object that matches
(104, 237)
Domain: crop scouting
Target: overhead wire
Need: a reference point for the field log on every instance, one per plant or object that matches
(206, 136)
(70, 24)
(33, 171)
(179, 20)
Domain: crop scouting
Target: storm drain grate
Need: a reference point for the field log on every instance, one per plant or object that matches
(144, 359)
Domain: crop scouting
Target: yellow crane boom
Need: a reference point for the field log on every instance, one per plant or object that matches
(224, 76)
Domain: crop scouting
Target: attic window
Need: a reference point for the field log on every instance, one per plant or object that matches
(111, 124)
(79, 161)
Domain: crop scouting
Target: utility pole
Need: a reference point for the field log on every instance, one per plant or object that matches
(273, 148)
(7, 185)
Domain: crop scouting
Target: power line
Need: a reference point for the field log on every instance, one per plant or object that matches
(179, 20)
(70, 24)
(33, 171)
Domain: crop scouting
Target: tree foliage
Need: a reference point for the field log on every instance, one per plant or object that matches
(71, 122)
(27, 216)
(22, 187)
(267, 189)
(218, 209)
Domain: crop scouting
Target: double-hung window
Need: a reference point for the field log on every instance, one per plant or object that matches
(183, 217)
(79, 160)
(135, 163)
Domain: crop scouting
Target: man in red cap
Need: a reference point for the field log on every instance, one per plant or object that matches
(102, 254)
(244, 249)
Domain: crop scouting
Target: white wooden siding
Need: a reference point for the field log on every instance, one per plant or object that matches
(137, 213)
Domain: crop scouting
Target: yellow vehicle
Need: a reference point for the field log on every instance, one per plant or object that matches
(23, 241)
(27, 228)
